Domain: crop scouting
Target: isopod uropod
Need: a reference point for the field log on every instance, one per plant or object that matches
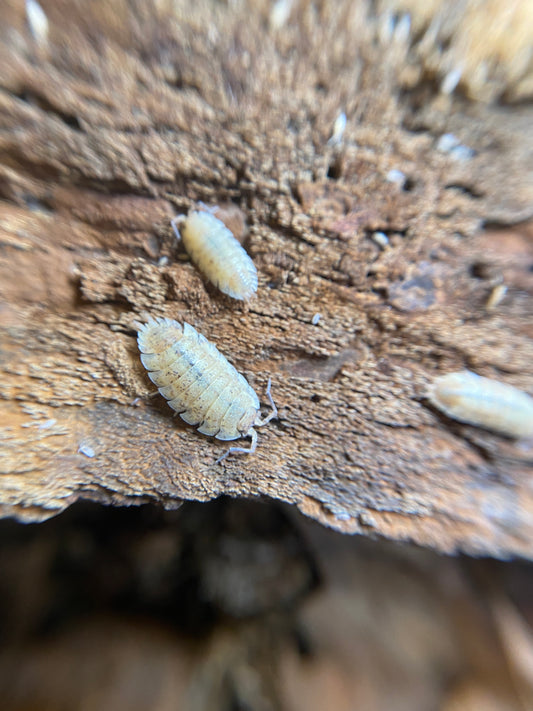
(216, 253)
(199, 383)
(480, 401)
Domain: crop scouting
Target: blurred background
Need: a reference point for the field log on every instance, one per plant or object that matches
(247, 605)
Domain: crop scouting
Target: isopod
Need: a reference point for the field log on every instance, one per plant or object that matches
(483, 402)
(200, 384)
(215, 251)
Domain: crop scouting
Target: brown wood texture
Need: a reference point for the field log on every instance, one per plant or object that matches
(128, 113)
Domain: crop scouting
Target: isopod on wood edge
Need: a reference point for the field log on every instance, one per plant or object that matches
(217, 254)
(200, 384)
(475, 400)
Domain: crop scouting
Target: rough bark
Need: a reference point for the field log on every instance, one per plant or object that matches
(125, 115)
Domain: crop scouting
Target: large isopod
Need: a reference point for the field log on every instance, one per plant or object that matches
(483, 402)
(200, 384)
(217, 254)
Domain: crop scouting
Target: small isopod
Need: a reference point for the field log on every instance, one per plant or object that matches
(479, 401)
(216, 253)
(200, 384)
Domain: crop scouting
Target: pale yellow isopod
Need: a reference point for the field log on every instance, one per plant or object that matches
(200, 384)
(217, 254)
(483, 402)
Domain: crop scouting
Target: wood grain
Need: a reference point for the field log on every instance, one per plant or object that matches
(132, 113)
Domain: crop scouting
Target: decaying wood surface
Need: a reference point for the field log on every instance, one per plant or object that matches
(119, 116)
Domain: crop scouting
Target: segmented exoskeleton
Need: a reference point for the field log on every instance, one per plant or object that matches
(217, 254)
(199, 383)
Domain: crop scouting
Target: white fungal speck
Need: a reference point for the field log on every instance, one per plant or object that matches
(450, 144)
(216, 253)
(280, 13)
(37, 22)
(87, 450)
(41, 425)
(343, 516)
(396, 176)
(386, 27)
(450, 81)
(338, 130)
(446, 142)
(403, 29)
(316, 318)
(47, 424)
(497, 295)
(462, 153)
(200, 384)
(483, 402)
(381, 239)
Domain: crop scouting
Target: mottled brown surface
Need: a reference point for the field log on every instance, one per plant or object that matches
(128, 114)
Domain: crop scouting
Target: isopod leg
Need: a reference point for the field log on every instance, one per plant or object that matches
(212, 210)
(243, 450)
(177, 221)
(273, 414)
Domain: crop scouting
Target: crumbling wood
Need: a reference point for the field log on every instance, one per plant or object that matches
(123, 116)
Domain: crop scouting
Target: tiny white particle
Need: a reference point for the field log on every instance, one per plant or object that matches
(47, 424)
(86, 450)
(316, 318)
(280, 13)
(396, 176)
(462, 153)
(497, 295)
(403, 29)
(446, 142)
(343, 516)
(450, 81)
(162, 262)
(135, 402)
(381, 239)
(40, 425)
(338, 130)
(37, 21)
(386, 27)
